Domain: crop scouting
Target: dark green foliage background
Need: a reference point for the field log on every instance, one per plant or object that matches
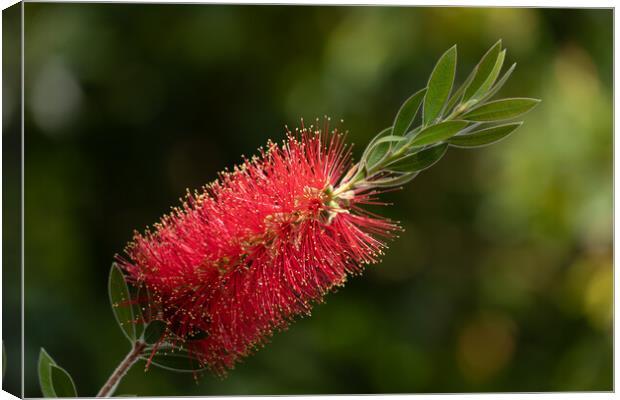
(502, 280)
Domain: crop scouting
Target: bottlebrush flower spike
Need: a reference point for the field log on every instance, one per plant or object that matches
(248, 253)
(257, 247)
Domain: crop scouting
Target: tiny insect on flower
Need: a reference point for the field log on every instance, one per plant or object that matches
(259, 246)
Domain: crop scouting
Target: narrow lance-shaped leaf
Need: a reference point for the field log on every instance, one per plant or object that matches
(407, 113)
(483, 70)
(369, 147)
(500, 83)
(486, 85)
(44, 371)
(397, 180)
(177, 361)
(484, 137)
(380, 150)
(388, 139)
(457, 96)
(439, 86)
(475, 126)
(62, 382)
(121, 302)
(413, 133)
(378, 154)
(438, 132)
(420, 160)
(501, 110)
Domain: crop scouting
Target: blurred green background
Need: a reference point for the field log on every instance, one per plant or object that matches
(502, 280)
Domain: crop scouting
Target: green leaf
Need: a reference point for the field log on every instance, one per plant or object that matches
(380, 149)
(438, 132)
(54, 380)
(140, 301)
(486, 85)
(414, 132)
(396, 180)
(499, 83)
(483, 70)
(121, 302)
(501, 109)
(407, 113)
(389, 138)
(439, 85)
(154, 331)
(378, 154)
(484, 137)
(177, 362)
(458, 94)
(367, 150)
(420, 160)
(62, 382)
(385, 132)
(45, 374)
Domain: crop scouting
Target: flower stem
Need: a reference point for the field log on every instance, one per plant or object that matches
(132, 357)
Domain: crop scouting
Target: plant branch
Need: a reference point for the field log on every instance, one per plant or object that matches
(396, 154)
(107, 390)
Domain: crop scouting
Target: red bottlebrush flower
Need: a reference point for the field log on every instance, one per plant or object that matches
(263, 243)
(256, 248)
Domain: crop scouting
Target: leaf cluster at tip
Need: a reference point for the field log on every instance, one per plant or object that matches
(450, 116)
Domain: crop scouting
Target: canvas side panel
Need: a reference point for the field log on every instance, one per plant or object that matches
(11, 198)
